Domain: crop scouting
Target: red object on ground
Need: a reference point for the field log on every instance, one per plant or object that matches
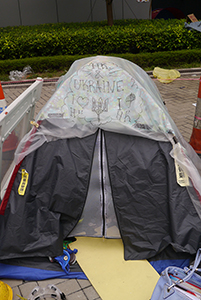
(1, 93)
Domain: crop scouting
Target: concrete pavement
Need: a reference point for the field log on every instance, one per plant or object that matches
(179, 96)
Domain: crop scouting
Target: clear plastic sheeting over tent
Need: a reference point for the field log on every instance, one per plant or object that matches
(111, 94)
(105, 160)
(103, 92)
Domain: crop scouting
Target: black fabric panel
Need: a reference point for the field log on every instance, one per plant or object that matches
(169, 254)
(42, 263)
(152, 210)
(36, 224)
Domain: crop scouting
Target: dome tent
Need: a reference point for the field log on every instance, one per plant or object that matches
(103, 162)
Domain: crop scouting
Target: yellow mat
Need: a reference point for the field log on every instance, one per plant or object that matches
(114, 278)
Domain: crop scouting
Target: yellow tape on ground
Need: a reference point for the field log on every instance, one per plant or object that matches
(114, 278)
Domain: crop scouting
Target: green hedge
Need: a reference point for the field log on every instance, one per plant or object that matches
(147, 61)
(126, 36)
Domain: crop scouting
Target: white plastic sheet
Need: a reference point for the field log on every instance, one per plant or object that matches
(115, 95)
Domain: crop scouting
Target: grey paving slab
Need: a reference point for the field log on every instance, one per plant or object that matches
(26, 288)
(83, 283)
(47, 91)
(179, 96)
(13, 282)
(91, 293)
(77, 296)
(69, 286)
(11, 92)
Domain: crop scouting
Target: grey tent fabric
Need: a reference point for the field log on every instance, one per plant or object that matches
(152, 210)
(35, 225)
(103, 163)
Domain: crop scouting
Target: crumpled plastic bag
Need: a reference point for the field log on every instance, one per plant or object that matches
(164, 75)
(193, 25)
(19, 75)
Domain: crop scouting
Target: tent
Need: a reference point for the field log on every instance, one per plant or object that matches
(167, 13)
(103, 159)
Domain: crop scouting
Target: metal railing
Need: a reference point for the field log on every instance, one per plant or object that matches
(14, 124)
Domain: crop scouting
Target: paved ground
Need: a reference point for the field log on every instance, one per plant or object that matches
(179, 96)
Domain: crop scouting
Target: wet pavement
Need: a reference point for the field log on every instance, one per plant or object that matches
(180, 97)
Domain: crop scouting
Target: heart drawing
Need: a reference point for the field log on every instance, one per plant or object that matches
(82, 101)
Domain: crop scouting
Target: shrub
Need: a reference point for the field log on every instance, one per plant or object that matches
(147, 61)
(126, 36)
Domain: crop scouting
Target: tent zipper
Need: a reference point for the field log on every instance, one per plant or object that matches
(102, 179)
